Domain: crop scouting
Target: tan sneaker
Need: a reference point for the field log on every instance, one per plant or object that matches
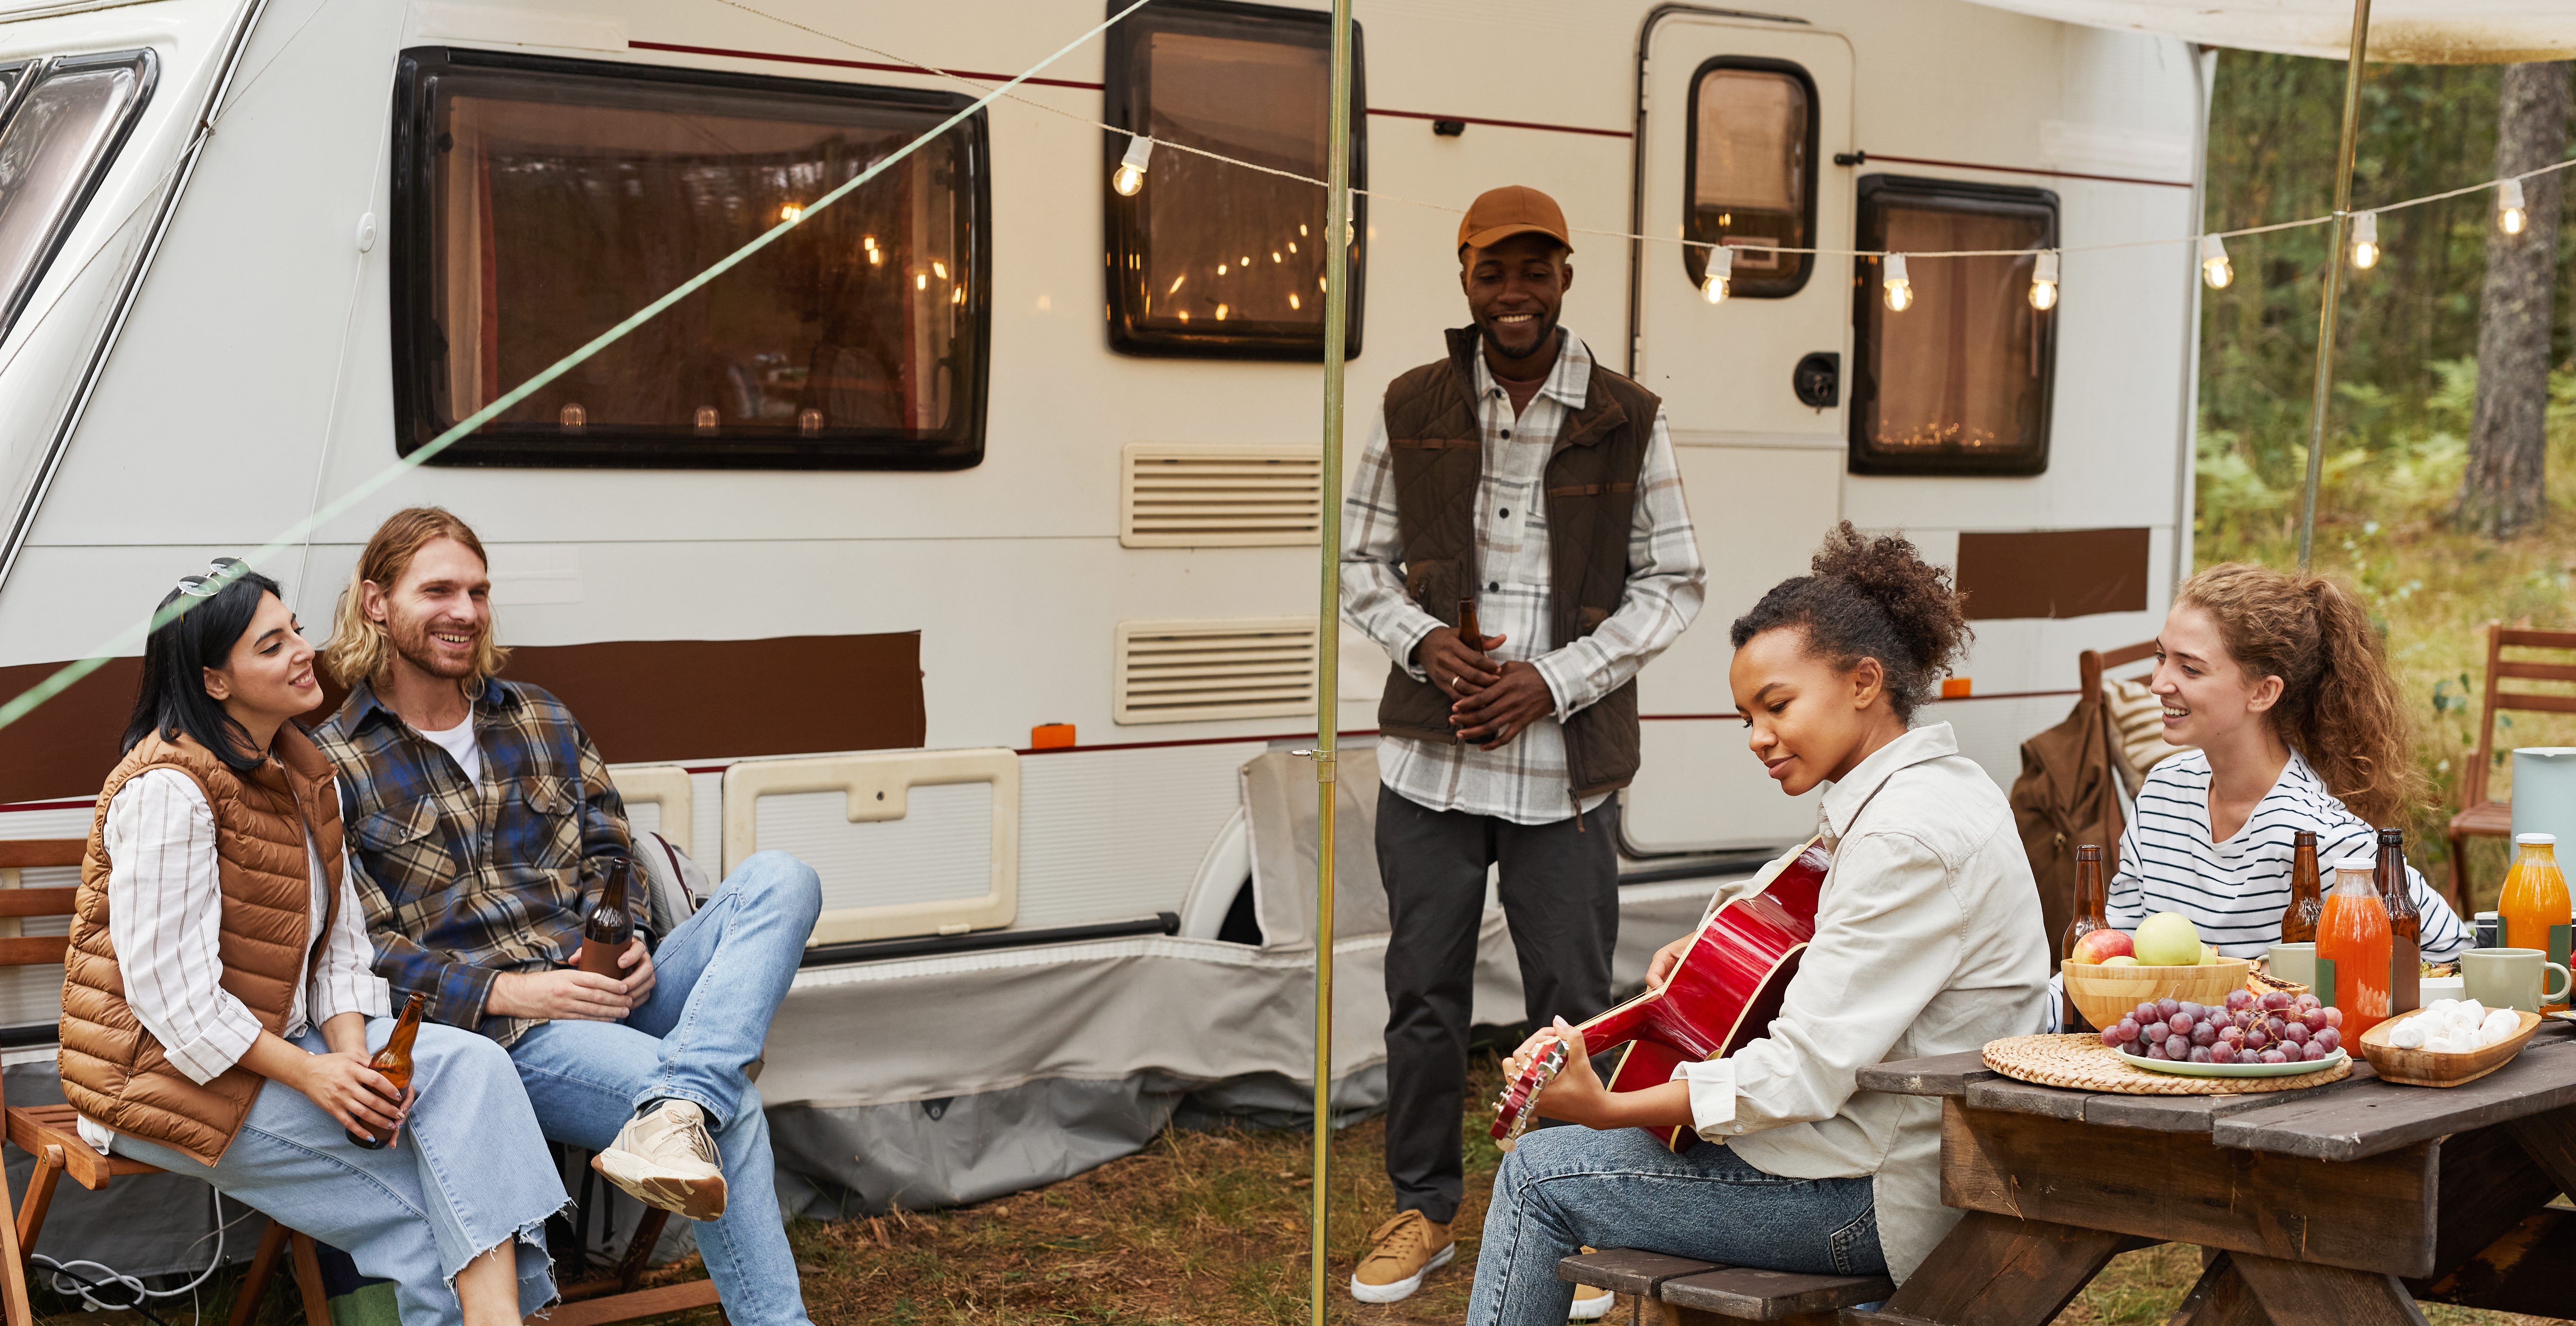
(664, 1158)
(1591, 1303)
(1401, 1252)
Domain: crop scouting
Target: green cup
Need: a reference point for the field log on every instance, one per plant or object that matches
(2511, 978)
(2297, 964)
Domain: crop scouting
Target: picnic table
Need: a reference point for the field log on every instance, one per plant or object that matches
(2339, 1205)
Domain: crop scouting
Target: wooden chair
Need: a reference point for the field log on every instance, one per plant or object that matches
(49, 1132)
(2480, 817)
(2093, 663)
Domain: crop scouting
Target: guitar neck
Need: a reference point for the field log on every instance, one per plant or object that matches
(1622, 1024)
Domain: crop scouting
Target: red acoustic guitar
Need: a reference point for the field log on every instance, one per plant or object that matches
(1724, 992)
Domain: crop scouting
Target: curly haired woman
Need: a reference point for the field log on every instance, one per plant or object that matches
(1926, 943)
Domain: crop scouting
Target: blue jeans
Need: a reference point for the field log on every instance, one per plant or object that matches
(468, 1173)
(718, 977)
(1565, 1188)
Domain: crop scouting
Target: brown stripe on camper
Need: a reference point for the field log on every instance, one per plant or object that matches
(2053, 573)
(643, 701)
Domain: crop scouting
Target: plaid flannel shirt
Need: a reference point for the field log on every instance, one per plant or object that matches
(463, 880)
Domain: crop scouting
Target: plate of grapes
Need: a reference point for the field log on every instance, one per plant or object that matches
(2267, 1035)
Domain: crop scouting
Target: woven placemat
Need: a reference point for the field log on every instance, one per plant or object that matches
(2083, 1062)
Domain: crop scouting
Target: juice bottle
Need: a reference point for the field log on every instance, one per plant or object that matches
(2533, 910)
(2353, 935)
(2307, 896)
(2405, 925)
(2092, 903)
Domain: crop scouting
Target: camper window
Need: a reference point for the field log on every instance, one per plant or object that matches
(538, 202)
(64, 121)
(1959, 382)
(1209, 258)
(1749, 174)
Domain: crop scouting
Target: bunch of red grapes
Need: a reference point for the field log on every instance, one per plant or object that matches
(2272, 1028)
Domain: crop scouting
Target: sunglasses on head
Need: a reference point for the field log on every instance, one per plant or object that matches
(219, 573)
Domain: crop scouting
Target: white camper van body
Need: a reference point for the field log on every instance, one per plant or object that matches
(208, 359)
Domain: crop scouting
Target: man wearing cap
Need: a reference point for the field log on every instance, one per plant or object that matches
(1521, 478)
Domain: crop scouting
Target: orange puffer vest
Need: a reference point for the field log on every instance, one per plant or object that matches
(113, 1070)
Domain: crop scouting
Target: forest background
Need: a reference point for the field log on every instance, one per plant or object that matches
(2406, 383)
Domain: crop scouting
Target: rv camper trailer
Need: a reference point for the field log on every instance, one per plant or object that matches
(991, 445)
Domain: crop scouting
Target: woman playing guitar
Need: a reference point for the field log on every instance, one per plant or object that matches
(1927, 941)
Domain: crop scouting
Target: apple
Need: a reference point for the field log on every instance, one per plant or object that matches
(2097, 945)
(2209, 953)
(2167, 939)
(2124, 960)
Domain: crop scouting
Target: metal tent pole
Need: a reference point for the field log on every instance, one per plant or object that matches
(1328, 613)
(2334, 284)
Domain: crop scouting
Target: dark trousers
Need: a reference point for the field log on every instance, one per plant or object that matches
(1560, 893)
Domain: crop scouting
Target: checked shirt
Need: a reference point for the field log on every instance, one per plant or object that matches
(465, 880)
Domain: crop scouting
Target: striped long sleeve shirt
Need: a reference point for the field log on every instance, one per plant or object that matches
(2235, 891)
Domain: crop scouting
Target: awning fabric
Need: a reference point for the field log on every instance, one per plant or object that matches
(2403, 31)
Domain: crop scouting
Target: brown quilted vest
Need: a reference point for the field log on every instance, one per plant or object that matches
(1438, 452)
(113, 1070)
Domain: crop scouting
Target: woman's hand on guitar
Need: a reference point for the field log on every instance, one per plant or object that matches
(1577, 1095)
(1660, 970)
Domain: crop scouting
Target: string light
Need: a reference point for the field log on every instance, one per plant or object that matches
(2365, 240)
(1900, 291)
(2511, 217)
(1131, 169)
(790, 212)
(2214, 266)
(1721, 274)
(2043, 282)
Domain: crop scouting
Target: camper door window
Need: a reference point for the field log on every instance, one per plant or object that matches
(1208, 258)
(538, 202)
(1959, 382)
(64, 121)
(1750, 174)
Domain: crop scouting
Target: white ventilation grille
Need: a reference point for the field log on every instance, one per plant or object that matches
(1235, 667)
(1181, 495)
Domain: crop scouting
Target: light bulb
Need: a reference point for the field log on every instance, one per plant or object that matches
(573, 416)
(790, 212)
(2214, 267)
(2511, 218)
(1900, 291)
(2365, 240)
(707, 419)
(809, 422)
(1131, 168)
(2043, 282)
(1721, 274)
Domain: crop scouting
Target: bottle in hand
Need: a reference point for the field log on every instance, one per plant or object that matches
(2092, 904)
(608, 929)
(2307, 893)
(2405, 925)
(393, 1063)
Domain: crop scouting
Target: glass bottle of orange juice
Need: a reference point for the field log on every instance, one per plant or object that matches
(2353, 935)
(2535, 904)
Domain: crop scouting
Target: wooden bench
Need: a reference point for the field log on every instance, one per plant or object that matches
(1697, 1293)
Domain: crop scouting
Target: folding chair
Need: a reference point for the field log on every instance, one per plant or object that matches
(2480, 817)
(50, 1132)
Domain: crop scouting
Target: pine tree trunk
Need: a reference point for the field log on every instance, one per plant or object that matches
(2501, 495)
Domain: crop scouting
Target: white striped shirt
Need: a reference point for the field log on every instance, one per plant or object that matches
(165, 913)
(1524, 781)
(2235, 891)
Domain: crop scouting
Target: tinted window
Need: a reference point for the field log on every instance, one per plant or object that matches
(1210, 258)
(67, 119)
(540, 202)
(1751, 180)
(1958, 383)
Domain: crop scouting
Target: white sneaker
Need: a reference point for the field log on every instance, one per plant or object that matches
(664, 1158)
(1591, 1303)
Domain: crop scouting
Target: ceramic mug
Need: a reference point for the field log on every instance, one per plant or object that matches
(2512, 978)
(2295, 963)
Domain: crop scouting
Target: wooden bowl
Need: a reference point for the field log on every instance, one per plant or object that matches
(2422, 1068)
(2106, 994)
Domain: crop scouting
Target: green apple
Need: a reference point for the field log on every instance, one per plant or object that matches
(2124, 960)
(2167, 939)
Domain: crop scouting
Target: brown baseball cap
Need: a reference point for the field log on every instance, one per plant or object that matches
(1514, 209)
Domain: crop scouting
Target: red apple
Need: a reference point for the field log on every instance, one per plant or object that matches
(2104, 943)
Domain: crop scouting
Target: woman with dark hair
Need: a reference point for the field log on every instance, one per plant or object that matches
(218, 950)
(1927, 942)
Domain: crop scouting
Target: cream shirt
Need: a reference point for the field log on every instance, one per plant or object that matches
(1928, 941)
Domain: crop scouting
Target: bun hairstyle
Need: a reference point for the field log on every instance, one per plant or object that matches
(2339, 708)
(1870, 598)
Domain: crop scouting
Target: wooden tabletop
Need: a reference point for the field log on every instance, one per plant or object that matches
(2357, 1117)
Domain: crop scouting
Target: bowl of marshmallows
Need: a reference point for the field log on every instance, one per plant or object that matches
(2447, 1042)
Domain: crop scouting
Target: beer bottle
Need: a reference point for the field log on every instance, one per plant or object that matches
(2405, 925)
(394, 1063)
(609, 927)
(2307, 896)
(2092, 912)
